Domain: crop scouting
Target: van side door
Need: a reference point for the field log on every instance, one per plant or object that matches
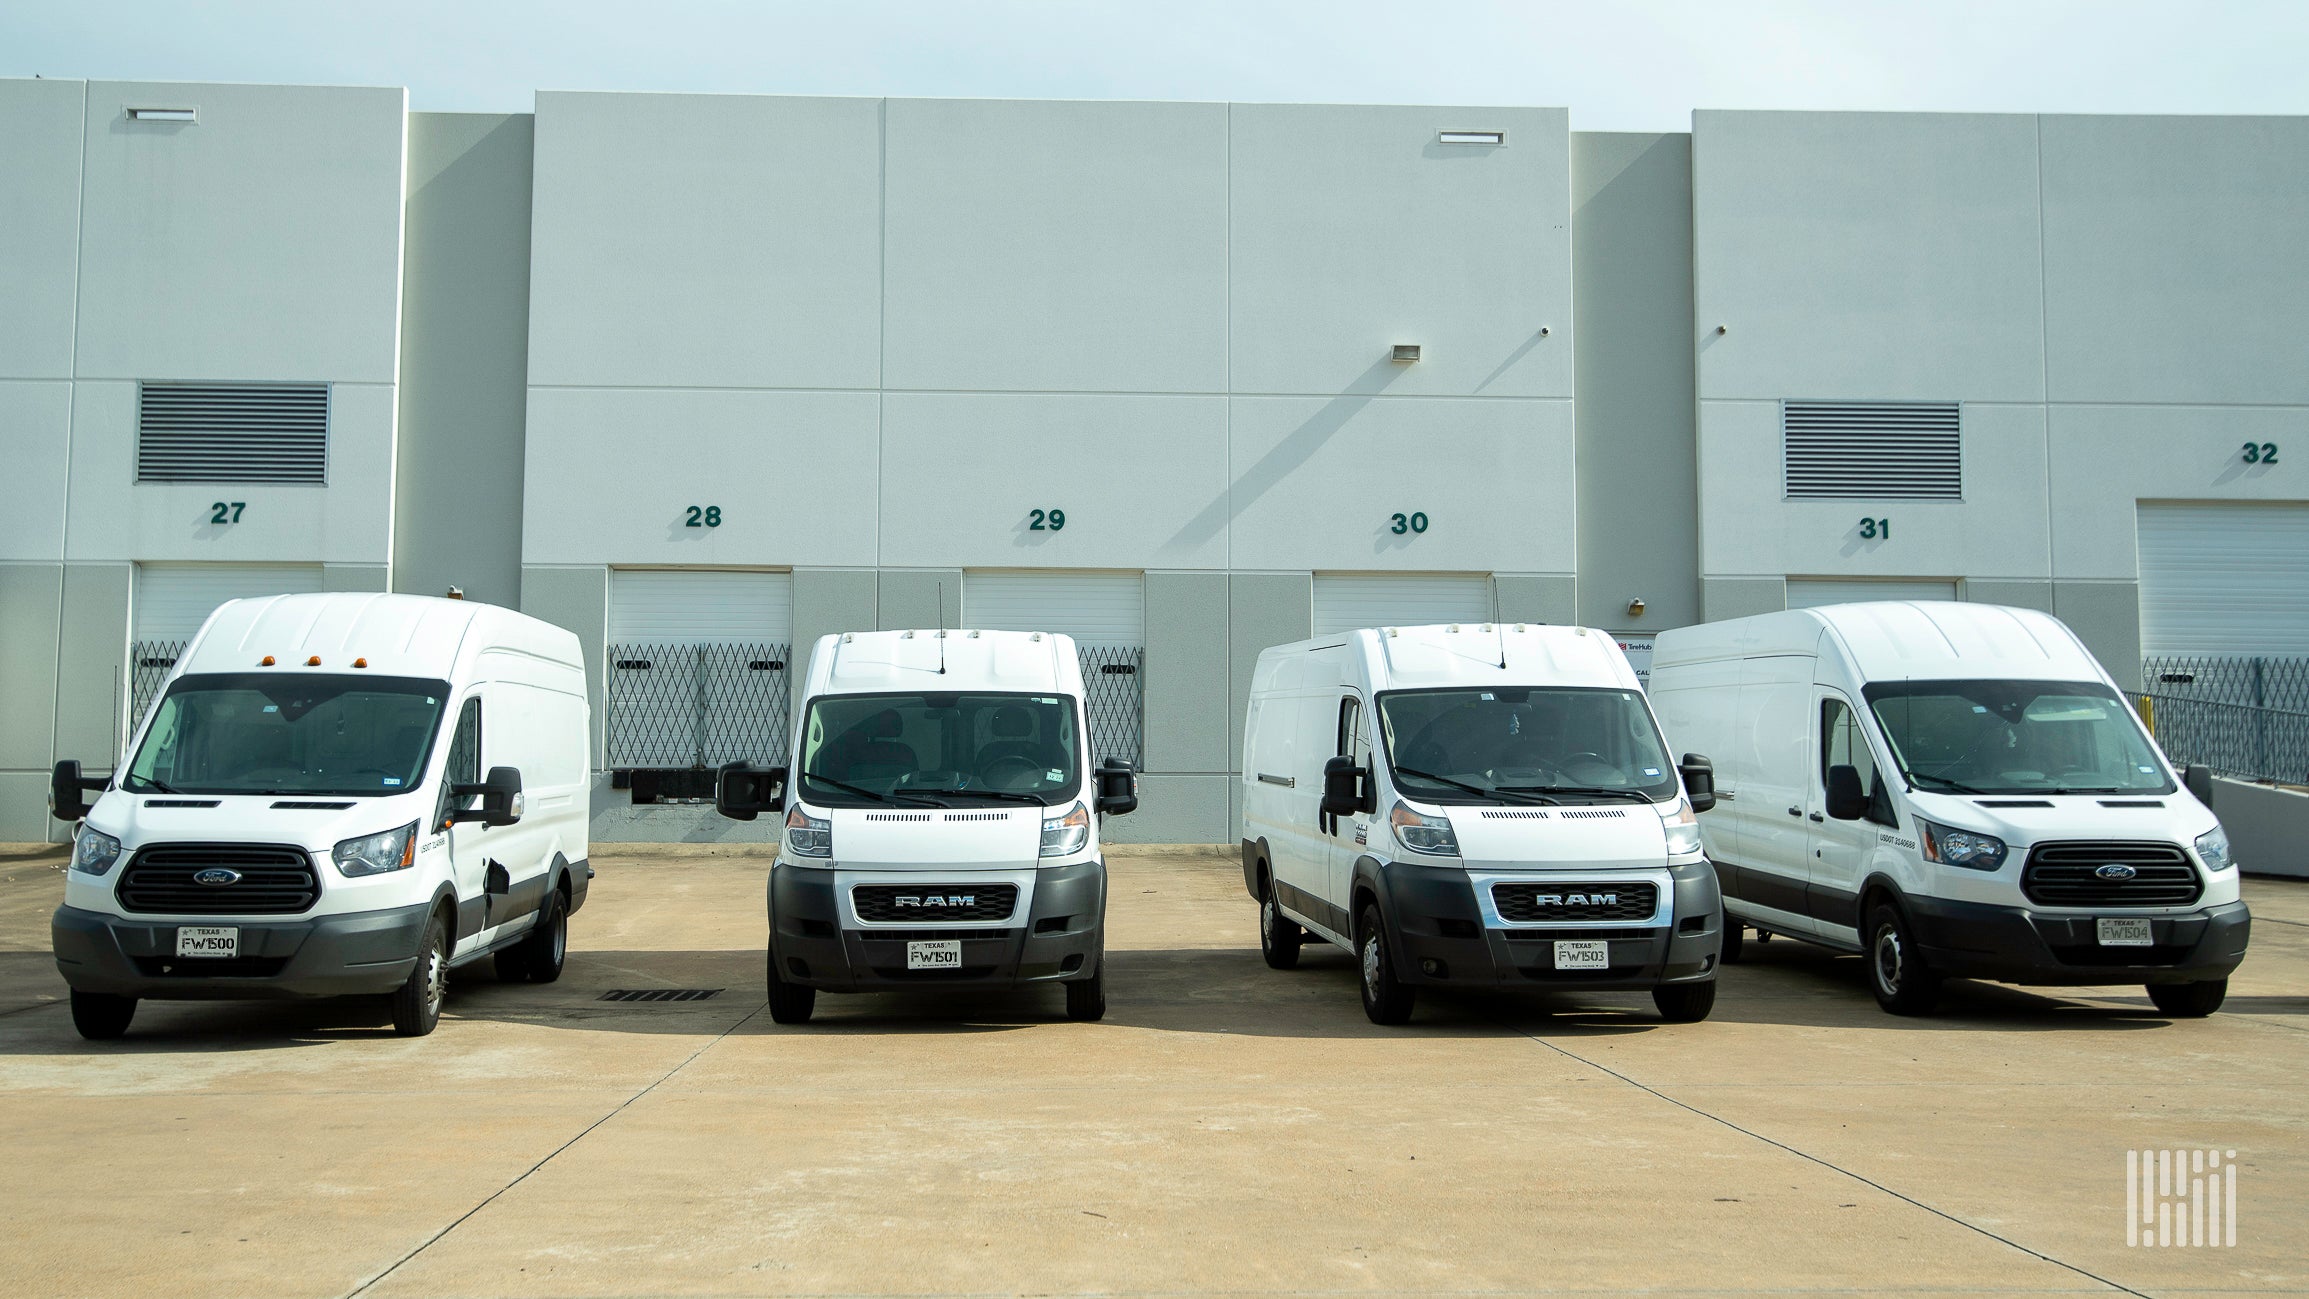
(1774, 728)
(1841, 849)
(468, 855)
(1349, 834)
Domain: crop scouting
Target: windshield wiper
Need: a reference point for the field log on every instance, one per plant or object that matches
(1592, 790)
(1956, 785)
(155, 786)
(845, 786)
(1480, 791)
(1003, 794)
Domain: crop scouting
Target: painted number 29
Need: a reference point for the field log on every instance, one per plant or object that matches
(2260, 453)
(1415, 522)
(1046, 520)
(704, 516)
(226, 511)
(1875, 529)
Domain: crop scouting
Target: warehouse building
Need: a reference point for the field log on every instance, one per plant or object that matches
(704, 377)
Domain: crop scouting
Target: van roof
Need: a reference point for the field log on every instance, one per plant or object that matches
(1900, 639)
(870, 662)
(396, 635)
(1470, 653)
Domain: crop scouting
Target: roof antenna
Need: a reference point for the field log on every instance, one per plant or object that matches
(1500, 630)
(942, 629)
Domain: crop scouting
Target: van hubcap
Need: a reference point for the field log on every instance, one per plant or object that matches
(1888, 960)
(436, 980)
(1371, 964)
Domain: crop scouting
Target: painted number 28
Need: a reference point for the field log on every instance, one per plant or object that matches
(2260, 453)
(708, 516)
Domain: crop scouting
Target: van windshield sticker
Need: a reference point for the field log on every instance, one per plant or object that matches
(1054, 775)
(392, 780)
(1651, 771)
(272, 708)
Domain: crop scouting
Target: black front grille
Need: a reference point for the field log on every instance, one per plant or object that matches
(929, 903)
(934, 935)
(274, 880)
(2069, 875)
(1576, 901)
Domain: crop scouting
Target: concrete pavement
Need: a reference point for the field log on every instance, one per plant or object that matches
(1227, 1128)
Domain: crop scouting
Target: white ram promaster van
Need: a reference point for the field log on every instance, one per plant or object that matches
(304, 812)
(1476, 807)
(1950, 790)
(942, 825)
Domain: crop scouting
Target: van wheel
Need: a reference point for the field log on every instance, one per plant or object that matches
(1386, 999)
(101, 1016)
(790, 1003)
(1735, 938)
(538, 957)
(1685, 1003)
(1279, 936)
(2180, 1000)
(1086, 998)
(1903, 984)
(417, 1002)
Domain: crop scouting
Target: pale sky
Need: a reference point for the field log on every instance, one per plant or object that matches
(1636, 65)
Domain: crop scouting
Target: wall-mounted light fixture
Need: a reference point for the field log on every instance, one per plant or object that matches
(163, 114)
(1407, 351)
(1636, 607)
(1471, 137)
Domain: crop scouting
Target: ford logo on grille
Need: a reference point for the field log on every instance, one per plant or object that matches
(2116, 870)
(216, 877)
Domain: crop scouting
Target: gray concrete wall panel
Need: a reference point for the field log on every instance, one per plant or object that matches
(918, 597)
(261, 242)
(464, 357)
(1539, 597)
(1638, 498)
(92, 671)
(1186, 663)
(1738, 597)
(30, 598)
(1352, 229)
(2106, 616)
(2020, 595)
(1175, 809)
(711, 241)
(40, 151)
(1049, 246)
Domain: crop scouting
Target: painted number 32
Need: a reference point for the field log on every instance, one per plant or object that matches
(2260, 453)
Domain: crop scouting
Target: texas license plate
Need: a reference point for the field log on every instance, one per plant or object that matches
(207, 940)
(1582, 956)
(2124, 933)
(934, 956)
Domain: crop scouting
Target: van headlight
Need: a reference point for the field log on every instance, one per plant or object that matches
(1066, 834)
(809, 836)
(1683, 828)
(1950, 846)
(94, 851)
(2213, 848)
(1423, 833)
(394, 850)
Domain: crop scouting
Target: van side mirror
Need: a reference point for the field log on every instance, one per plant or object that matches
(742, 793)
(1117, 788)
(65, 789)
(2197, 778)
(1847, 799)
(502, 802)
(1343, 787)
(1699, 781)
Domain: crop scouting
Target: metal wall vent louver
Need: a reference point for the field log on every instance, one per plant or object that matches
(232, 433)
(1907, 451)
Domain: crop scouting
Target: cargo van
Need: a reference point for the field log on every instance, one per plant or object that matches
(1475, 806)
(942, 827)
(333, 794)
(1953, 791)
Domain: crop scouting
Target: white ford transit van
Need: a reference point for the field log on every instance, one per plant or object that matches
(1951, 790)
(304, 812)
(942, 829)
(1476, 807)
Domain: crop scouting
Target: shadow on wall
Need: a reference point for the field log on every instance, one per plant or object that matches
(1287, 455)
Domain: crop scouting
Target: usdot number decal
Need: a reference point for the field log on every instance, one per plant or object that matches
(1875, 529)
(2260, 453)
(1414, 522)
(227, 511)
(1046, 521)
(706, 516)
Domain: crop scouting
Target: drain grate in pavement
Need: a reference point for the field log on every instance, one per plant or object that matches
(660, 994)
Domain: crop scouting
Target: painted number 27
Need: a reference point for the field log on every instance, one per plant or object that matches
(1875, 529)
(2260, 453)
(226, 511)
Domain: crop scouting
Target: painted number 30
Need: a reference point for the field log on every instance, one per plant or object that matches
(2260, 453)
(1408, 523)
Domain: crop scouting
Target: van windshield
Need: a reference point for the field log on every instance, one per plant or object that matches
(271, 733)
(935, 747)
(1556, 743)
(2016, 737)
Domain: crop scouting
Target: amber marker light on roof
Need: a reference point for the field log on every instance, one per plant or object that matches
(313, 662)
(360, 663)
(265, 662)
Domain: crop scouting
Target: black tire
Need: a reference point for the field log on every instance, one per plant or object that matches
(1086, 998)
(2180, 1000)
(790, 1003)
(1685, 1003)
(540, 954)
(1897, 974)
(101, 1016)
(417, 1002)
(1735, 940)
(1386, 999)
(1279, 936)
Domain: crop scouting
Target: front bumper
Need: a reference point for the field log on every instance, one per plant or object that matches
(361, 952)
(1440, 940)
(1973, 940)
(1060, 937)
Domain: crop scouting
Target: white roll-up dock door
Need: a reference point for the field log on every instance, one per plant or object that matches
(699, 670)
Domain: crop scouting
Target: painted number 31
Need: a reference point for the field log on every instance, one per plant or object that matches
(1875, 529)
